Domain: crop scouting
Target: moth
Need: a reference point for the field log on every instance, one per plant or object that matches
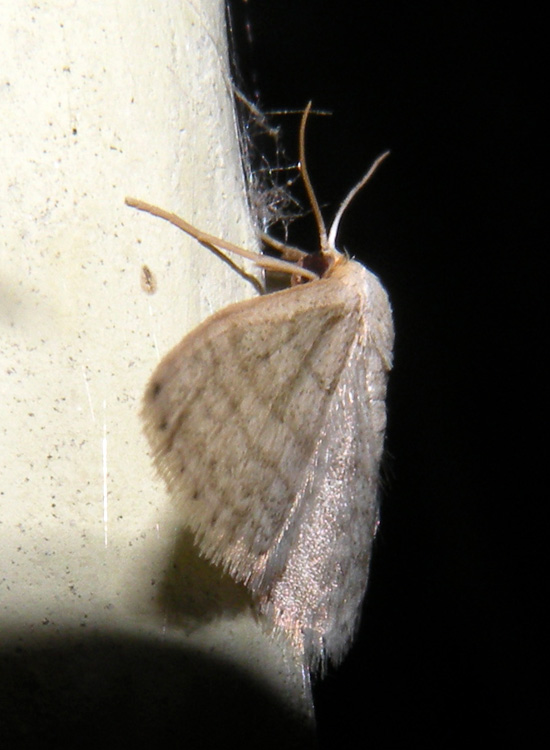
(267, 425)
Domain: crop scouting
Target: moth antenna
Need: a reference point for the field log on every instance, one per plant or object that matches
(210, 240)
(307, 182)
(349, 197)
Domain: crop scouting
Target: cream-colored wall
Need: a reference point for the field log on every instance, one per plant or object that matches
(99, 101)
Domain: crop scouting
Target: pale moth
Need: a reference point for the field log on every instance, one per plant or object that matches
(267, 425)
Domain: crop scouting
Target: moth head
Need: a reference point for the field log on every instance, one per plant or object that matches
(301, 266)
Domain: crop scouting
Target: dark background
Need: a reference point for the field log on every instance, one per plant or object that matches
(447, 650)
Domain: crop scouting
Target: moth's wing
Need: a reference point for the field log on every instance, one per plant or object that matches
(317, 597)
(323, 555)
(234, 413)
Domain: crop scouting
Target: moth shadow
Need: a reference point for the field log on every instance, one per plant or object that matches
(118, 689)
(194, 592)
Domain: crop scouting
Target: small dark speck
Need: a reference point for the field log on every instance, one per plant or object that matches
(148, 281)
(163, 426)
(156, 388)
(75, 131)
(195, 495)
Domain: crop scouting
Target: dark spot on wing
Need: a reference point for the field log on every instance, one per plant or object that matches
(155, 388)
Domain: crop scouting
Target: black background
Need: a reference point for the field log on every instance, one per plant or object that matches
(447, 650)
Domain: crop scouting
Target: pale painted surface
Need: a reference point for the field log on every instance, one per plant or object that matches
(99, 101)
